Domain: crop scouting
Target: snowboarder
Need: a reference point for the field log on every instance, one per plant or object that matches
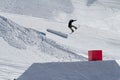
(71, 26)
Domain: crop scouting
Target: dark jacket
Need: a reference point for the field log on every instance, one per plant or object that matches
(70, 22)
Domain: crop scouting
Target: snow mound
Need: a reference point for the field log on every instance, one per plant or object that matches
(100, 70)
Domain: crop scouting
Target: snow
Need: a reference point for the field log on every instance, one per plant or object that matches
(13, 61)
(22, 44)
(36, 8)
(31, 46)
(105, 70)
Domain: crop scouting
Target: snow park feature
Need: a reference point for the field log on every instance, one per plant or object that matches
(58, 33)
(98, 70)
(95, 55)
(42, 33)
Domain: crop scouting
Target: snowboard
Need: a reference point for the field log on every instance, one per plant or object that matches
(75, 30)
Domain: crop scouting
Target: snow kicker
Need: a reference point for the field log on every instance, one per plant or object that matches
(73, 71)
(58, 33)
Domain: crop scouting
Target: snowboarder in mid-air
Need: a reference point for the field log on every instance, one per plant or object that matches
(71, 26)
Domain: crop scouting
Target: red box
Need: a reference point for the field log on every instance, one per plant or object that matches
(95, 55)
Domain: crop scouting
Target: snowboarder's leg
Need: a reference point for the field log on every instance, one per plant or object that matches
(74, 27)
(72, 30)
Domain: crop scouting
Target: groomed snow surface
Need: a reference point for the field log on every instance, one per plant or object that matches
(105, 70)
(22, 29)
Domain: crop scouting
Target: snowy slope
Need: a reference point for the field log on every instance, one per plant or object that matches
(100, 14)
(37, 8)
(21, 46)
(20, 37)
(91, 38)
(14, 61)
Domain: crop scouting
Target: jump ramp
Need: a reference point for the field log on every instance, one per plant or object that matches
(89, 70)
